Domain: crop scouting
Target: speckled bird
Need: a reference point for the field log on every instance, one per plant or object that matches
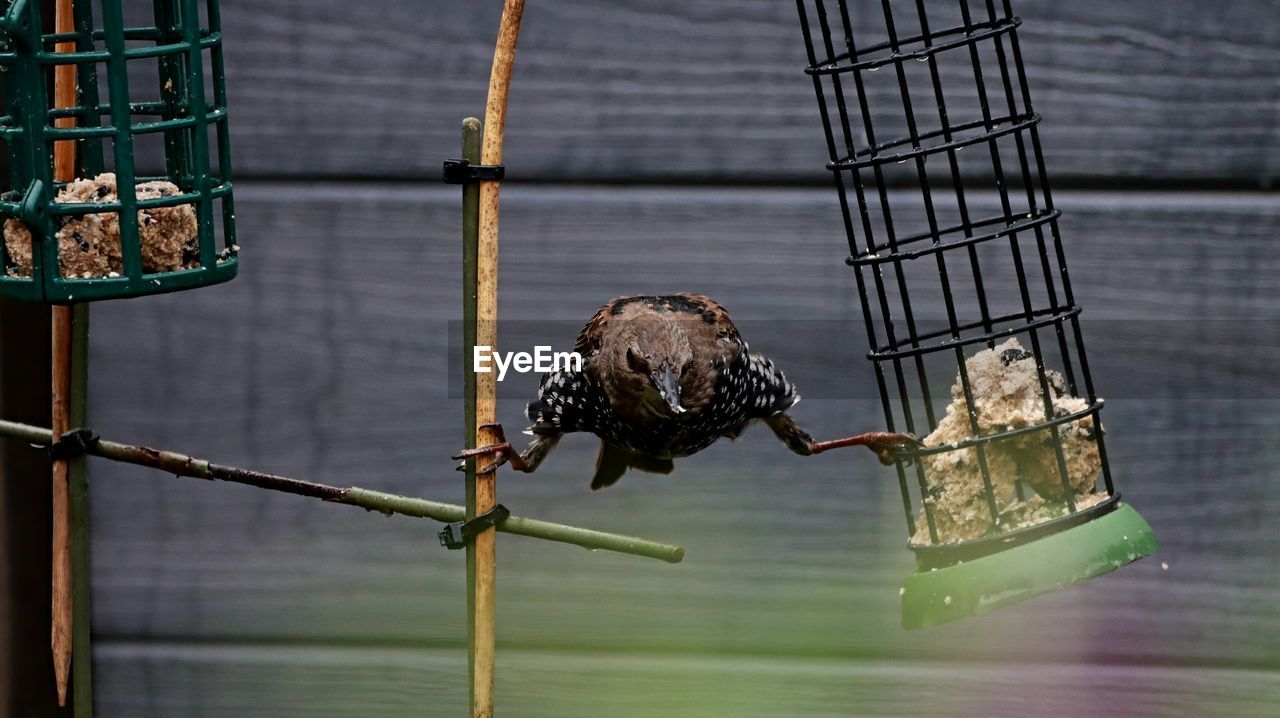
(663, 378)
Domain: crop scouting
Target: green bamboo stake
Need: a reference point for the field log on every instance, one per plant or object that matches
(470, 246)
(78, 504)
(383, 502)
(470, 232)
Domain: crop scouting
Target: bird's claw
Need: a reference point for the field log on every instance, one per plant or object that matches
(897, 447)
(502, 450)
(501, 447)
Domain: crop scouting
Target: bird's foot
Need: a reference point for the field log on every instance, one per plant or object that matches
(888, 446)
(505, 453)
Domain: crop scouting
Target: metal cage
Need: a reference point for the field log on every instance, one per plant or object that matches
(952, 231)
(150, 99)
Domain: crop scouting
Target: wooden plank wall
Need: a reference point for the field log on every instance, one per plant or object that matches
(635, 131)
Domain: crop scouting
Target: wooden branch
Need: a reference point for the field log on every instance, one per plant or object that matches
(383, 502)
(64, 162)
(485, 489)
(60, 640)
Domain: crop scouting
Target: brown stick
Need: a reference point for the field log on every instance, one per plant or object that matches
(487, 335)
(64, 162)
(61, 595)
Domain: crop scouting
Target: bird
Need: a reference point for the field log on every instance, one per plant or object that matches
(661, 378)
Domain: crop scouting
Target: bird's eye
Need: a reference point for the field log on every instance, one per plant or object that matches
(635, 360)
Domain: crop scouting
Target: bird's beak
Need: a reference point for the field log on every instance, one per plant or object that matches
(668, 385)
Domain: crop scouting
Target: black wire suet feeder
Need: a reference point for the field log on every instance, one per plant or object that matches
(935, 100)
(148, 93)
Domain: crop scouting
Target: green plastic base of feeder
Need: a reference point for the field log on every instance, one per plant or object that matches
(1016, 574)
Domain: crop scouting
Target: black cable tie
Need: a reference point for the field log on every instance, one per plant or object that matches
(461, 172)
(73, 444)
(458, 535)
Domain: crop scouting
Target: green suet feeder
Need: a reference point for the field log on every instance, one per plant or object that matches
(150, 98)
(964, 286)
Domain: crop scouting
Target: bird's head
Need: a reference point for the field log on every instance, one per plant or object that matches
(657, 357)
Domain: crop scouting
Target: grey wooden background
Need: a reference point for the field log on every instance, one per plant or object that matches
(661, 146)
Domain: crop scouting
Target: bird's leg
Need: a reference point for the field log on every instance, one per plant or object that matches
(527, 461)
(887, 445)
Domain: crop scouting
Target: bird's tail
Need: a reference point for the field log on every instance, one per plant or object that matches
(612, 462)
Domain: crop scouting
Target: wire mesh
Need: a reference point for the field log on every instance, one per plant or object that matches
(151, 106)
(953, 235)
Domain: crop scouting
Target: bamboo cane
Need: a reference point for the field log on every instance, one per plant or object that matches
(64, 160)
(487, 335)
(183, 465)
(471, 140)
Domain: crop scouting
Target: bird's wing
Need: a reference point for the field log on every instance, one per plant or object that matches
(567, 401)
(766, 389)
